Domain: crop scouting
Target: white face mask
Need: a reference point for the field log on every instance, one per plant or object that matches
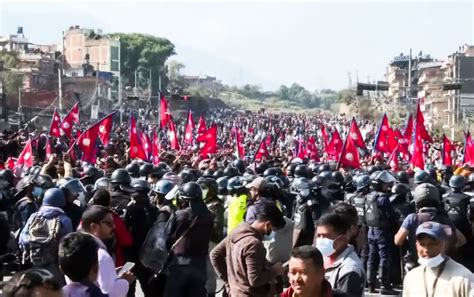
(431, 262)
(325, 246)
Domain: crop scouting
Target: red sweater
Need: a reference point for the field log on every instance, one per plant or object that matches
(123, 239)
(326, 289)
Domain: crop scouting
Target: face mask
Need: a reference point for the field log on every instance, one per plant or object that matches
(37, 191)
(270, 237)
(431, 262)
(204, 193)
(325, 246)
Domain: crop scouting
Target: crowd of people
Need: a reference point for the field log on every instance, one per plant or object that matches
(286, 224)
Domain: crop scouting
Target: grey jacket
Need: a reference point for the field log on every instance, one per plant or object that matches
(347, 274)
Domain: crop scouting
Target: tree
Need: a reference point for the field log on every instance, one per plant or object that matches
(176, 83)
(142, 52)
(12, 80)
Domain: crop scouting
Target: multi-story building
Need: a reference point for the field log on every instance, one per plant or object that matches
(459, 74)
(430, 90)
(84, 47)
(14, 42)
(398, 76)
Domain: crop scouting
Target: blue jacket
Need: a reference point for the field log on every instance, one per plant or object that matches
(48, 212)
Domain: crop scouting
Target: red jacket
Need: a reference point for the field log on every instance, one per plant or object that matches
(123, 239)
(326, 289)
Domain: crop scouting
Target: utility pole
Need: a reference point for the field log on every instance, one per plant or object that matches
(20, 114)
(120, 82)
(409, 79)
(60, 90)
(135, 91)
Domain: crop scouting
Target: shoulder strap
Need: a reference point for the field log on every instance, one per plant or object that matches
(184, 233)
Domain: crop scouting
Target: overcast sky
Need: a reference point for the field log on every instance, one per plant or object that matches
(314, 44)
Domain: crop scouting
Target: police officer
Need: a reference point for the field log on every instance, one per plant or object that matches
(194, 223)
(458, 209)
(379, 217)
(358, 201)
(120, 190)
(237, 202)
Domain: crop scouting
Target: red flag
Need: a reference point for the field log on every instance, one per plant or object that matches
(408, 134)
(69, 120)
(420, 125)
(447, 149)
(349, 155)
(240, 147)
(325, 136)
(26, 156)
(10, 164)
(54, 129)
(146, 144)
(47, 148)
(105, 127)
(417, 160)
(301, 148)
(155, 149)
(164, 113)
(210, 140)
(136, 149)
(384, 139)
(86, 143)
(261, 152)
(188, 131)
(393, 161)
(202, 125)
(268, 141)
(312, 150)
(354, 132)
(173, 136)
(468, 157)
(334, 147)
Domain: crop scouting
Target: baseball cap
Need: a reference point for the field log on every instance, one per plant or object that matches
(433, 229)
(259, 183)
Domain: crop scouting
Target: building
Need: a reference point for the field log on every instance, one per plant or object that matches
(400, 70)
(14, 42)
(430, 79)
(39, 69)
(459, 85)
(90, 48)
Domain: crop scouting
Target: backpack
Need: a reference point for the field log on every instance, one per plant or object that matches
(43, 240)
(153, 252)
(373, 214)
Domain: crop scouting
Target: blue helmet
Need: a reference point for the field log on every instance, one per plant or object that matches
(362, 181)
(163, 187)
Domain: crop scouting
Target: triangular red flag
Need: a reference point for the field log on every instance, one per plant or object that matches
(188, 131)
(47, 148)
(105, 127)
(202, 125)
(210, 139)
(165, 116)
(87, 144)
(420, 125)
(393, 161)
(262, 152)
(381, 140)
(312, 150)
(54, 129)
(349, 155)
(10, 163)
(325, 136)
(155, 149)
(173, 136)
(136, 148)
(69, 120)
(334, 147)
(240, 147)
(418, 160)
(408, 133)
(447, 149)
(468, 157)
(354, 132)
(26, 156)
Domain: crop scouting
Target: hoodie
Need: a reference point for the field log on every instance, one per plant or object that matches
(48, 212)
(239, 260)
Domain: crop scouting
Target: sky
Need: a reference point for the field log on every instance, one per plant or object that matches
(315, 44)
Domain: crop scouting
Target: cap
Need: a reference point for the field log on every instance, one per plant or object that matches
(433, 229)
(258, 183)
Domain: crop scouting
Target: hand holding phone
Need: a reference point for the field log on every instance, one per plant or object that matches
(125, 268)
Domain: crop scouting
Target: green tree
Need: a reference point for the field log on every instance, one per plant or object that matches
(176, 83)
(142, 52)
(12, 80)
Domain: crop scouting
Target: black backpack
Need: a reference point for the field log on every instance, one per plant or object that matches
(373, 215)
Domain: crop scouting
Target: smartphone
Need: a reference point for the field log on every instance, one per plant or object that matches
(126, 268)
